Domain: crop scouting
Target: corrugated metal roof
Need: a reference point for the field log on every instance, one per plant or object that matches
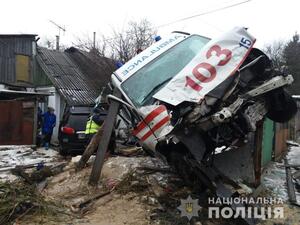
(97, 68)
(75, 86)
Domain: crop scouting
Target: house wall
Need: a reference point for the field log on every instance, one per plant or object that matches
(17, 58)
(40, 79)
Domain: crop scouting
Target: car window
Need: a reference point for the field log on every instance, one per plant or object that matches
(78, 121)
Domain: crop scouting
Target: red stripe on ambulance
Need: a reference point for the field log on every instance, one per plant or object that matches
(155, 128)
(156, 112)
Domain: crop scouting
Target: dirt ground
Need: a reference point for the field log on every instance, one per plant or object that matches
(118, 210)
(70, 188)
(134, 199)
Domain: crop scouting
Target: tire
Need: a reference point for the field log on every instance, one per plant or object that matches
(282, 106)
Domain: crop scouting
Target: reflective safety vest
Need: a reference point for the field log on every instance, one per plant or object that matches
(91, 127)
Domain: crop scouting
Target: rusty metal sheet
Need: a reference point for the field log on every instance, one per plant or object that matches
(10, 121)
(281, 136)
(14, 127)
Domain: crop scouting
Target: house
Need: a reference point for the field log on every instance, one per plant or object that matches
(18, 98)
(73, 77)
(47, 78)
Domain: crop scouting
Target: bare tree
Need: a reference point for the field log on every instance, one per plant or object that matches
(291, 55)
(287, 54)
(275, 52)
(122, 45)
(138, 36)
(87, 44)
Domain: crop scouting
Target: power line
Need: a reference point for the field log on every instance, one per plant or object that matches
(204, 13)
(197, 15)
(191, 17)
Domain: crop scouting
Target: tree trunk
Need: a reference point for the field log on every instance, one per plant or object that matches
(90, 149)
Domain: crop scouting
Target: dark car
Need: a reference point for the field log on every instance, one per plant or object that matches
(71, 135)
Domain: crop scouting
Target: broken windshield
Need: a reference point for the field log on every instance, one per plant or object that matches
(141, 86)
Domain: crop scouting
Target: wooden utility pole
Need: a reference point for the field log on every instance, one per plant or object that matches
(108, 128)
(57, 43)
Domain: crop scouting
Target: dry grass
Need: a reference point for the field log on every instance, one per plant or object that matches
(18, 200)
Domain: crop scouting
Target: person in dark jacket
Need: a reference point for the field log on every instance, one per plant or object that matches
(49, 121)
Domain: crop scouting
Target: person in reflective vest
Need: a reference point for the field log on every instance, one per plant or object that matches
(91, 126)
(94, 123)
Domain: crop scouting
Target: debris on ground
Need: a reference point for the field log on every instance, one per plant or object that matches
(18, 200)
(38, 175)
(274, 176)
(26, 157)
(130, 151)
(275, 185)
(290, 184)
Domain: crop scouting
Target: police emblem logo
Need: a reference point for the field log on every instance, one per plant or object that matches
(189, 207)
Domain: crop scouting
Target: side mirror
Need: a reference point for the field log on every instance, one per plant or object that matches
(116, 99)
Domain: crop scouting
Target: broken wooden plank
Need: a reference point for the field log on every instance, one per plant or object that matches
(292, 165)
(108, 127)
(91, 199)
(16, 147)
(90, 149)
(155, 169)
(31, 165)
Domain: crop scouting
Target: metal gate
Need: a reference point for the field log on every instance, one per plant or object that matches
(267, 142)
(16, 122)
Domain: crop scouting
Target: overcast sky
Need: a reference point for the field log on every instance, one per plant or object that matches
(267, 20)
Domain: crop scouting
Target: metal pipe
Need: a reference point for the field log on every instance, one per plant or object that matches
(57, 42)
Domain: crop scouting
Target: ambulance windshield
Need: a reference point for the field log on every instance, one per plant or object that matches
(142, 85)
